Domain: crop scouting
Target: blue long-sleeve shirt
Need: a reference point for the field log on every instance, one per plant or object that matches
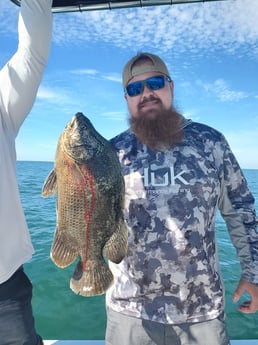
(171, 272)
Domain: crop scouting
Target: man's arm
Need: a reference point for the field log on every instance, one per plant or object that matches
(21, 76)
(237, 208)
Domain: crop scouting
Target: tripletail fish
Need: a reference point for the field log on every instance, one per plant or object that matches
(90, 224)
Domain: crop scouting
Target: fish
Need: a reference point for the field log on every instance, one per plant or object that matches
(89, 186)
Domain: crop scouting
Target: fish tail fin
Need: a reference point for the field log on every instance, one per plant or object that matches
(95, 279)
(116, 247)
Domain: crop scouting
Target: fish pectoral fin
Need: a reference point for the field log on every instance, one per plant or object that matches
(93, 280)
(50, 184)
(115, 248)
(62, 252)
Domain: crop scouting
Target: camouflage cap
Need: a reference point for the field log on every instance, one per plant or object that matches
(158, 66)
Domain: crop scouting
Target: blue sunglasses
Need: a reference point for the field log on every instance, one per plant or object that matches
(153, 83)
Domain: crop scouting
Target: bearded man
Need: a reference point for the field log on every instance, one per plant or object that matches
(168, 289)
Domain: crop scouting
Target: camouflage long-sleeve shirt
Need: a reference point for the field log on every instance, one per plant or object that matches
(171, 272)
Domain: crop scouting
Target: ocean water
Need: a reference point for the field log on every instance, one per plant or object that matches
(59, 313)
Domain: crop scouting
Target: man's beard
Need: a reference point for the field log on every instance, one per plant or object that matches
(160, 132)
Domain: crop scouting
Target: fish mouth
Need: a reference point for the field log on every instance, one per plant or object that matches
(80, 141)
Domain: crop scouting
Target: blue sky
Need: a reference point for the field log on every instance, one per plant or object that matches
(211, 49)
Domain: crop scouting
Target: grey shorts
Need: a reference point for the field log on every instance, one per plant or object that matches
(126, 330)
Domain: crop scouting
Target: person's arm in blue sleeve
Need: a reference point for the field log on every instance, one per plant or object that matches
(237, 208)
(21, 76)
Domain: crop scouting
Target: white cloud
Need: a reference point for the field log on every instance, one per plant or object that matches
(196, 28)
(191, 114)
(84, 72)
(113, 115)
(220, 89)
(46, 94)
(189, 28)
(8, 17)
(54, 96)
(113, 77)
(95, 73)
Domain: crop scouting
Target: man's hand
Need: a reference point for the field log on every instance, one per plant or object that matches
(250, 306)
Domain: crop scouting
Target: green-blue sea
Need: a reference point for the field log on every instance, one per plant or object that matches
(59, 313)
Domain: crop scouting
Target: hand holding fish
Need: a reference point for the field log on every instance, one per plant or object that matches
(250, 306)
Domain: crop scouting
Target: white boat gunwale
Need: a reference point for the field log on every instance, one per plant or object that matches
(102, 342)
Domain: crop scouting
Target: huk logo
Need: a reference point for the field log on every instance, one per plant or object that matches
(156, 179)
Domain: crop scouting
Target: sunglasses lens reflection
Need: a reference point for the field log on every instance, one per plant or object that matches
(153, 83)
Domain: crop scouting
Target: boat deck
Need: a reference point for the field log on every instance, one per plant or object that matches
(101, 342)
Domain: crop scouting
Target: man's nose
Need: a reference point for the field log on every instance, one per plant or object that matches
(146, 90)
